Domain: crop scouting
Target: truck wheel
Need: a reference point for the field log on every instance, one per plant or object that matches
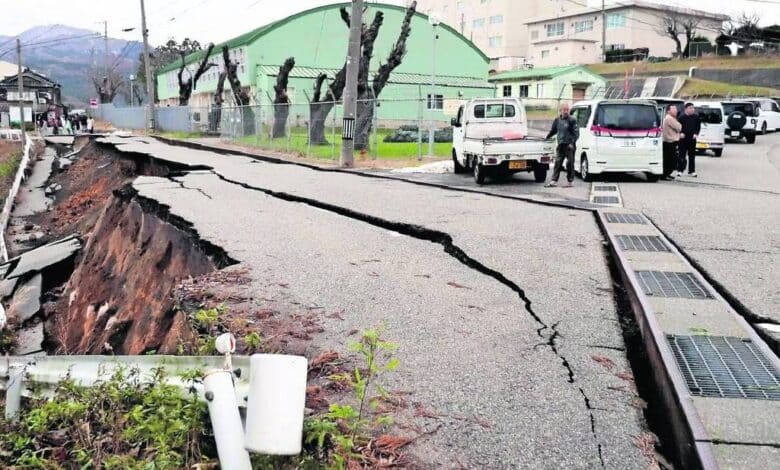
(457, 167)
(652, 178)
(479, 173)
(584, 170)
(718, 152)
(751, 139)
(540, 174)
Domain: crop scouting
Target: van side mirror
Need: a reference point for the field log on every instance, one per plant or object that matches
(454, 122)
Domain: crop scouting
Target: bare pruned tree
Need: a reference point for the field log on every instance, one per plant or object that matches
(187, 86)
(281, 100)
(674, 26)
(240, 94)
(106, 87)
(322, 103)
(216, 111)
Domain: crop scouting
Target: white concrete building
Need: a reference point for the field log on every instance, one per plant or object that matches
(575, 37)
(549, 33)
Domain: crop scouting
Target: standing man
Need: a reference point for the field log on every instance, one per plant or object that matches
(672, 128)
(565, 127)
(691, 126)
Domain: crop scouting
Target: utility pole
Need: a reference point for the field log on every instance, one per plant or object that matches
(432, 101)
(149, 72)
(350, 90)
(105, 58)
(20, 79)
(603, 32)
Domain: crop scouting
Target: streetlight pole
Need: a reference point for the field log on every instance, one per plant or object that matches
(149, 71)
(20, 80)
(350, 89)
(432, 100)
(131, 77)
(105, 58)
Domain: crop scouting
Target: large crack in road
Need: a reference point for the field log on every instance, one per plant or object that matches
(548, 333)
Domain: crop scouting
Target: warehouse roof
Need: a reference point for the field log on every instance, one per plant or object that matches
(540, 73)
(252, 36)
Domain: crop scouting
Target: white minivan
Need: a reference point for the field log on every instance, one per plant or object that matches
(618, 136)
(713, 127)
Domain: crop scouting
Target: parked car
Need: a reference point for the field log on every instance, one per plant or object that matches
(741, 120)
(490, 138)
(768, 115)
(618, 136)
(713, 128)
(662, 102)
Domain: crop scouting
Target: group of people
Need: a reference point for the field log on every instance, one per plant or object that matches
(679, 146)
(66, 124)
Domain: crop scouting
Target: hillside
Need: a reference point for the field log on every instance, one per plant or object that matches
(67, 55)
(726, 63)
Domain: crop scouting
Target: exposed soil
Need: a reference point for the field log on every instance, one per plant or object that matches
(10, 154)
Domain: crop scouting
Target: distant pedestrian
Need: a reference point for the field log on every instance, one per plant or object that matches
(83, 119)
(67, 126)
(671, 128)
(565, 127)
(90, 125)
(691, 127)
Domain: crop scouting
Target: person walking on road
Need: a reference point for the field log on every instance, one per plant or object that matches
(565, 127)
(691, 127)
(671, 128)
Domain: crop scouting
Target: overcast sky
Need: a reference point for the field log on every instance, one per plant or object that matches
(218, 20)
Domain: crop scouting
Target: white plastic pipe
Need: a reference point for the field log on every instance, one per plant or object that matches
(274, 411)
(226, 421)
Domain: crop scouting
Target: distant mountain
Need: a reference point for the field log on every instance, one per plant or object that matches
(67, 55)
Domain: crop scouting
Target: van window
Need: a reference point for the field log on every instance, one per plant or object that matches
(494, 110)
(745, 108)
(626, 116)
(709, 115)
(460, 116)
(581, 115)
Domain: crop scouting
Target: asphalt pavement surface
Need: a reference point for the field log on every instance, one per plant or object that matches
(503, 309)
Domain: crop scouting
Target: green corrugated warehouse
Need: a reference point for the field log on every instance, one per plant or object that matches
(317, 38)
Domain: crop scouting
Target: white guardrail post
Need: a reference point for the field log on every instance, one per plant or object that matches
(275, 407)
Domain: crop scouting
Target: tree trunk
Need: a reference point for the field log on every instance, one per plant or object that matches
(240, 95)
(215, 117)
(318, 115)
(281, 100)
(364, 121)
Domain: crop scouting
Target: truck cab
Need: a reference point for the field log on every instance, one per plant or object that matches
(490, 138)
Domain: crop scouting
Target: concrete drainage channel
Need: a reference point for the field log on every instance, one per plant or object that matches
(719, 383)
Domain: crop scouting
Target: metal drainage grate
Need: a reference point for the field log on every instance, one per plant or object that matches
(641, 243)
(606, 200)
(672, 284)
(722, 366)
(618, 218)
(605, 188)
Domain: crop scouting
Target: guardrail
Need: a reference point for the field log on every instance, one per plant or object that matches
(9, 200)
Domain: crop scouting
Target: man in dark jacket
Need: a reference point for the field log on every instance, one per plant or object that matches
(691, 127)
(565, 127)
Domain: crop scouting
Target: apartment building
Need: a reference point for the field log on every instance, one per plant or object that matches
(575, 37)
(498, 27)
(550, 33)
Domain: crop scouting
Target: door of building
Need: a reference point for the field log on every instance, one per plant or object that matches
(578, 93)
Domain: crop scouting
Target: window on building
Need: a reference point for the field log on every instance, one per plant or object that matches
(478, 23)
(507, 90)
(554, 29)
(582, 26)
(460, 6)
(540, 90)
(495, 41)
(435, 101)
(545, 54)
(534, 34)
(616, 20)
(523, 91)
(496, 19)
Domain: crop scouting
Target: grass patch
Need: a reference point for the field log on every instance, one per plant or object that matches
(297, 143)
(705, 88)
(731, 63)
(9, 166)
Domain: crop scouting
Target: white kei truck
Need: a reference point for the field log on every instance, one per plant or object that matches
(490, 138)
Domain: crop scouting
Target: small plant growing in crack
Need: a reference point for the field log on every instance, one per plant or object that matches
(348, 429)
(253, 341)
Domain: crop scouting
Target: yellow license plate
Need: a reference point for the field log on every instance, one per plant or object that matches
(702, 145)
(518, 165)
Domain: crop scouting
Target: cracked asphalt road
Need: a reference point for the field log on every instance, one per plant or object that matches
(499, 306)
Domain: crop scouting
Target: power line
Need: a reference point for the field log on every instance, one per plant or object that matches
(34, 45)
